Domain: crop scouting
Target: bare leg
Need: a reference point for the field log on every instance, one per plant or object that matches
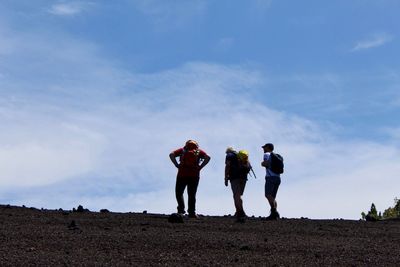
(272, 202)
(238, 204)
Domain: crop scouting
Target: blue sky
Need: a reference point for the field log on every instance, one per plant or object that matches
(95, 94)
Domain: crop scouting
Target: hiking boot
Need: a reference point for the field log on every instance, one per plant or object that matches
(277, 216)
(193, 216)
(273, 216)
(241, 214)
(181, 211)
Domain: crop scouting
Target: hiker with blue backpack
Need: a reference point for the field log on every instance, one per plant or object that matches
(273, 164)
(191, 160)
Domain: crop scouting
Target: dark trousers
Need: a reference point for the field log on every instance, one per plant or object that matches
(191, 183)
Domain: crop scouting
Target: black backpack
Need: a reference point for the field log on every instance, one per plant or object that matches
(276, 164)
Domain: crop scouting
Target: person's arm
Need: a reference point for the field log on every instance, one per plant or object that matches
(205, 161)
(248, 167)
(265, 162)
(227, 168)
(173, 159)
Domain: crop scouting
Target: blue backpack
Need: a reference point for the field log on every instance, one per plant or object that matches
(276, 163)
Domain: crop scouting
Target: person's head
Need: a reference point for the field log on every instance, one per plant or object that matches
(230, 149)
(191, 144)
(268, 147)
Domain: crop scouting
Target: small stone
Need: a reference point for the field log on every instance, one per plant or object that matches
(80, 209)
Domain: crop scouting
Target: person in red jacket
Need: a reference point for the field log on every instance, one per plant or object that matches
(191, 161)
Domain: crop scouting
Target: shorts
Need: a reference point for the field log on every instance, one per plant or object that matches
(238, 186)
(271, 185)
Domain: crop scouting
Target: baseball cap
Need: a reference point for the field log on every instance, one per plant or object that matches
(269, 145)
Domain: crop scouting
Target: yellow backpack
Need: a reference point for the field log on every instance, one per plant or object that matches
(243, 156)
(243, 160)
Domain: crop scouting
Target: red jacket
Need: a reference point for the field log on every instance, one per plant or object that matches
(189, 162)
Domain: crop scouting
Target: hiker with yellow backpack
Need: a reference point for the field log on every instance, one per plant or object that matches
(237, 167)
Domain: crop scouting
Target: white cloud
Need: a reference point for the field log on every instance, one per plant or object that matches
(92, 134)
(393, 133)
(373, 42)
(38, 164)
(6, 46)
(125, 144)
(67, 9)
(39, 148)
(340, 179)
(263, 4)
(166, 15)
(8, 40)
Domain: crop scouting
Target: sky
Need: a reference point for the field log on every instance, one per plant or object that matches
(94, 95)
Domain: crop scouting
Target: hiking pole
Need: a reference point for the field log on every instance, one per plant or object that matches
(251, 169)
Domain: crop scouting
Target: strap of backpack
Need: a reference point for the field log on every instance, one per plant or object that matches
(271, 154)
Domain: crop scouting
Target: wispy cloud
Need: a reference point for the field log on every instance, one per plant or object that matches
(67, 9)
(78, 130)
(166, 15)
(262, 4)
(373, 42)
(7, 41)
(393, 133)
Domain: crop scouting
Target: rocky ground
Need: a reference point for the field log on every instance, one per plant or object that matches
(32, 237)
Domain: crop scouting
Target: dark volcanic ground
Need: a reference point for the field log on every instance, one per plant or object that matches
(44, 237)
